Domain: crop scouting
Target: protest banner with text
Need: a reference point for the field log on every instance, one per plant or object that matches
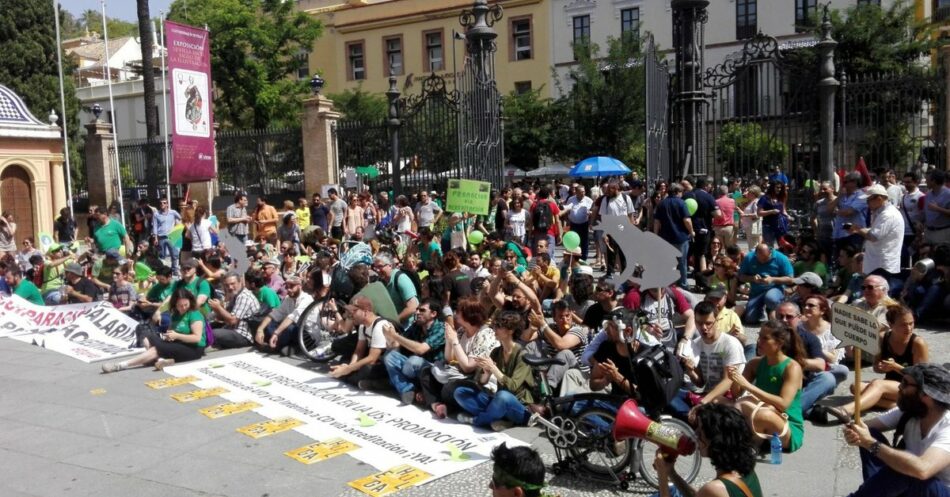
(469, 196)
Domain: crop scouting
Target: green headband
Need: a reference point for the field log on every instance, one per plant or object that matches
(508, 481)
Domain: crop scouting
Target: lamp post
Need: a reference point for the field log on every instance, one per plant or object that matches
(827, 87)
(689, 96)
(393, 123)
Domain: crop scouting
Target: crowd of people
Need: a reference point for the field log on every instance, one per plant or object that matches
(440, 307)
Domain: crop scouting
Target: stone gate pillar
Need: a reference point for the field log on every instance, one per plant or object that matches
(319, 148)
(100, 172)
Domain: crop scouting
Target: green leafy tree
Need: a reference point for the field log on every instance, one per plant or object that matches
(91, 20)
(359, 105)
(254, 49)
(29, 67)
(603, 113)
(746, 148)
(527, 128)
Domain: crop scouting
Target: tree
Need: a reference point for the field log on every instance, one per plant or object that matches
(148, 94)
(254, 50)
(361, 106)
(29, 67)
(527, 128)
(746, 148)
(91, 21)
(604, 112)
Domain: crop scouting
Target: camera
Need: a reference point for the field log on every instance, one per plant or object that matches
(507, 266)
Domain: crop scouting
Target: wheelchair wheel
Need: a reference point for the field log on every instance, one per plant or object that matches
(314, 337)
(686, 466)
(596, 449)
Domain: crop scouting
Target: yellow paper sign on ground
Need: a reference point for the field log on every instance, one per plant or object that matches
(170, 382)
(267, 428)
(227, 409)
(321, 451)
(387, 482)
(98, 391)
(198, 394)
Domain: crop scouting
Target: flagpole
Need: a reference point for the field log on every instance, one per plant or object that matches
(115, 136)
(168, 183)
(62, 102)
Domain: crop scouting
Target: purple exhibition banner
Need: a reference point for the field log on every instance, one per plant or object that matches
(189, 73)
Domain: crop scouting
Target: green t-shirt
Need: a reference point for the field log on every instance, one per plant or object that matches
(434, 250)
(28, 291)
(52, 278)
(816, 267)
(110, 235)
(266, 295)
(159, 292)
(182, 324)
(197, 286)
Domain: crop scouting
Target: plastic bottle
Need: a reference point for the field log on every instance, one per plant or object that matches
(776, 445)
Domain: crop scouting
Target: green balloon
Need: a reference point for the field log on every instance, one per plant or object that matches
(691, 206)
(571, 240)
(476, 237)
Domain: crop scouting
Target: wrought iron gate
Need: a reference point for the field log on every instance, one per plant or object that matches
(429, 136)
(657, 113)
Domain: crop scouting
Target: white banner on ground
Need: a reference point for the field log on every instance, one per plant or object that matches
(88, 332)
(855, 327)
(331, 409)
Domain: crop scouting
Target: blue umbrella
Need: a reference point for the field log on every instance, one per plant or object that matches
(597, 167)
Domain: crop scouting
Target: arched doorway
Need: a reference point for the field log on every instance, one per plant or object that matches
(16, 196)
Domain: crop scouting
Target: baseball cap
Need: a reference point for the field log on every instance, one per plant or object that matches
(53, 248)
(190, 264)
(582, 269)
(809, 278)
(934, 380)
(876, 190)
(74, 268)
(114, 253)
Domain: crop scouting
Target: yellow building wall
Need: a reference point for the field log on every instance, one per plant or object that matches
(371, 23)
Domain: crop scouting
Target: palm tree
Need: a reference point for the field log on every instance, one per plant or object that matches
(148, 87)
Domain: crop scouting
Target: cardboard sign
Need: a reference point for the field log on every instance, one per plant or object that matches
(198, 394)
(387, 482)
(321, 451)
(271, 427)
(227, 409)
(470, 196)
(855, 327)
(170, 382)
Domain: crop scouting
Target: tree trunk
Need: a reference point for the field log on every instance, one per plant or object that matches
(154, 154)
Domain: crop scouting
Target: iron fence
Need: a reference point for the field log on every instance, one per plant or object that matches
(260, 161)
(138, 159)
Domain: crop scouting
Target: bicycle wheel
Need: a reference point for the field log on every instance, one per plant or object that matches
(686, 466)
(314, 336)
(595, 448)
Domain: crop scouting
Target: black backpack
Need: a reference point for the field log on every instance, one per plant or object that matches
(659, 376)
(543, 216)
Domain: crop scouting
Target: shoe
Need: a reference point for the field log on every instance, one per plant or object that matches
(439, 410)
(539, 409)
(465, 418)
(378, 384)
(112, 368)
(407, 397)
(501, 424)
(421, 398)
(820, 415)
(163, 363)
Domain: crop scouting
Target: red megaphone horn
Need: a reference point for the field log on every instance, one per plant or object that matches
(631, 423)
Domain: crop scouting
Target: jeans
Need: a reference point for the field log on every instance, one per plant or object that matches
(583, 231)
(486, 408)
(403, 370)
(882, 481)
(168, 249)
(683, 260)
(762, 303)
(818, 387)
(839, 371)
(286, 337)
(679, 405)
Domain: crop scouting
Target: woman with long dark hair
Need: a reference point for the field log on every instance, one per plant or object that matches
(772, 384)
(725, 438)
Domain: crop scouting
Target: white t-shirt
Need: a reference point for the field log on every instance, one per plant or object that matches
(938, 437)
(579, 209)
(516, 221)
(621, 205)
(887, 226)
(375, 336)
(713, 358)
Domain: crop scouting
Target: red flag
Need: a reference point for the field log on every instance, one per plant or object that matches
(862, 168)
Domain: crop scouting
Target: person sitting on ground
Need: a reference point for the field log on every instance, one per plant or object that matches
(104, 269)
(23, 287)
(817, 382)
(926, 289)
(566, 341)
(365, 367)
(725, 438)
(728, 322)
(919, 461)
(710, 354)
(78, 288)
(401, 289)
(516, 472)
(874, 299)
(772, 383)
(272, 277)
(474, 268)
(816, 320)
(504, 405)
(419, 346)
(724, 275)
(122, 294)
(160, 290)
(807, 285)
(808, 260)
(610, 359)
(456, 284)
(256, 283)
(279, 328)
(235, 313)
(543, 277)
(184, 341)
(900, 349)
(664, 308)
(768, 271)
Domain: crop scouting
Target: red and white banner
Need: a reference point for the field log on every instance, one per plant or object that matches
(189, 73)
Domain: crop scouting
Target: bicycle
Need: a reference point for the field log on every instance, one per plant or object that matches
(583, 440)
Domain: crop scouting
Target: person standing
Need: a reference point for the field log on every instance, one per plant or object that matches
(110, 234)
(937, 209)
(162, 223)
(707, 210)
(725, 226)
(615, 203)
(65, 227)
(303, 214)
(577, 210)
(672, 223)
(884, 239)
(319, 213)
(851, 208)
(142, 221)
(7, 234)
(238, 220)
(544, 221)
(337, 215)
(824, 222)
(428, 212)
(912, 208)
(265, 219)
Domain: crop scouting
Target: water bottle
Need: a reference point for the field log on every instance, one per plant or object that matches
(776, 444)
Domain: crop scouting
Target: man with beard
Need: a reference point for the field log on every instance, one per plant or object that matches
(918, 463)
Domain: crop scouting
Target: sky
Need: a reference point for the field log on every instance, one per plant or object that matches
(119, 9)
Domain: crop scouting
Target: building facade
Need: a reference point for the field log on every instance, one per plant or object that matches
(365, 40)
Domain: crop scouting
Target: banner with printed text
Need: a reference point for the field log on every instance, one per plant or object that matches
(379, 430)
(88, 332)
(189, 73)
(465, 195)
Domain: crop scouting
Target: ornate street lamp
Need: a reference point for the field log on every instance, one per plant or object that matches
(316, 84)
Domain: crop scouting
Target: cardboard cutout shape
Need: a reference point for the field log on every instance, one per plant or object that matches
(650, 260)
